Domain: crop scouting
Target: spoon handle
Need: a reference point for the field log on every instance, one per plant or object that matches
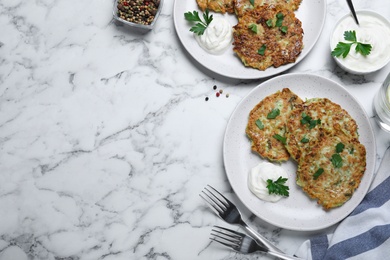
(350, 4)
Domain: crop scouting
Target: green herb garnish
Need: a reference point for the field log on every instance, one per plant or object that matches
(309, 121)
(269, 23)
(262, 49)
(337, 161)
(343, 48)
(304, 140)
(253, 27)
(279, 19)
(252, 2)
(201, 25)
(339, 147)
(284, 29)
(274, 113)
(278, 187)
(280, 138)
(318, 173)
(259, 124)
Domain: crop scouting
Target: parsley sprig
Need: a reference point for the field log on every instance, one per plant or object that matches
(336, 159)
(201, 25)
(343, 48)
(309, 121)
(278, 187)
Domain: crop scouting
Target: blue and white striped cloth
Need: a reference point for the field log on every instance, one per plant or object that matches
(365, 233)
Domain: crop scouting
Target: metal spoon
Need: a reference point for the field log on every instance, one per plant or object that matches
(353, 11)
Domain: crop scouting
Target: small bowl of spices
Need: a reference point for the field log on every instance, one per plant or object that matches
(141, 14)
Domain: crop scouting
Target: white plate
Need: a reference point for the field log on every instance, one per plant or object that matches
(311, 13)
(297, 212)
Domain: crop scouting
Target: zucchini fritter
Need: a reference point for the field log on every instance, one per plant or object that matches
(267, 121)
(241, 6)
(313, 119)
(320, 135)
(332, 176)
(268, 36)
(219, 6)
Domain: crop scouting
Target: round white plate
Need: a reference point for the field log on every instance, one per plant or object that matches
(311, 13)
(298, 211)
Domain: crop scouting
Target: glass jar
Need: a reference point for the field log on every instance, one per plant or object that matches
(382, 105)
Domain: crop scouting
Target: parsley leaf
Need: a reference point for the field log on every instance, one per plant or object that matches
(284, 29)
(363, 48)
(252, 2)
(318, 173)
(309, 121)
(343, 48)
(269, 23)
(200, 26)
(253, 27)
(280, 138)
(350, 36)
(262, 49)
(274, 113)
(336, 160)
(339, 147)
(304, 140)
(259, 124)
(278, 187)
(305, 119)
(279, 19)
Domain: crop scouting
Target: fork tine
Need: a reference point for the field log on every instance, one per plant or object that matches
(214, 200)
(226, 202)
(211, 203)
(225, 239)
(219, 240)
(228, 232)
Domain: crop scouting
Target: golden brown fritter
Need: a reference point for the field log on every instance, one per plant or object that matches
(268, 36)
(331, 176)
(219, 6)
(312, 120)
(241, 6)
(320, 135)
(267, 121)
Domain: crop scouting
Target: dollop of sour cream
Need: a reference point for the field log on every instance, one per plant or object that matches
(217, 37)
(372, 29)
(258, 176)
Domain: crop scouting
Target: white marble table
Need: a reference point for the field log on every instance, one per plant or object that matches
(106, 139)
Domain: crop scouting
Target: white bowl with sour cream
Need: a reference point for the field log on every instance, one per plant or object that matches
(373, 29)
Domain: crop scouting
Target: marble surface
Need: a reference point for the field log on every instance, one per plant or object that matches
(106, 139)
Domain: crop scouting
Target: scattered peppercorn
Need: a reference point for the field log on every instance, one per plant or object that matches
(220, 91)
(207, 99)
(138, 11)
(215, 87)
(227, 95)
(217, 94)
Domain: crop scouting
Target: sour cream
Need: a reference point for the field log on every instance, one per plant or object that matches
(372, 29)
(217, 37)
(257, 180)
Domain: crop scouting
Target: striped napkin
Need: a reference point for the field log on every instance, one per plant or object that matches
(365, 233)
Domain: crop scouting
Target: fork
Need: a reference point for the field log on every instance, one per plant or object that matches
(227, 211)
(242, 243)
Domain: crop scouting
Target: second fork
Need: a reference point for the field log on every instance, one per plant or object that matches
(227, 211)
